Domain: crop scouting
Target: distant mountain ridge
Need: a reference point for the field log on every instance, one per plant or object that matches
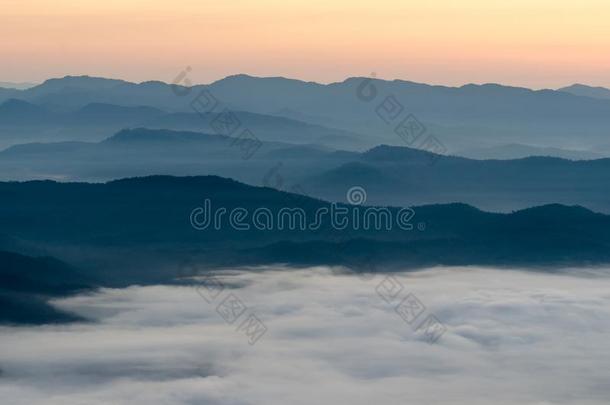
(391, 175)
(143, 151)
(460, 116)
(152, 214)
(25, 116)
(404, 176)
(519, 151)
(26, 283)
(138, 231)
(587, 91)
(14, 111)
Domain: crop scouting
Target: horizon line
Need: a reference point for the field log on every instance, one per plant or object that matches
(247, 75)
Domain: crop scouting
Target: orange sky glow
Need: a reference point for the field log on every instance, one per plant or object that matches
(535, 43)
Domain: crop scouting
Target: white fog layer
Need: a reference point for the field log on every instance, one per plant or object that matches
(511, 337)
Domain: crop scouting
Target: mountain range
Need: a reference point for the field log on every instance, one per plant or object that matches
(23, 121)
(101, 177)
(460, 117)
(139, 231)
(402, 176)
(519, 151)
(150, 216)
(391, 175)
(587, 91)
(26, 283)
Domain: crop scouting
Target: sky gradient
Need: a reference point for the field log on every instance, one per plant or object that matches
(540, 43)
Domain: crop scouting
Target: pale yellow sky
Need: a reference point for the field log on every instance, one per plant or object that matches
(534, 43)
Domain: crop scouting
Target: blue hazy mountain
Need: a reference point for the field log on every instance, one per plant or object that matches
(587, 91)
(391, 175)
(19, 112)
(22, 121)
(14, 111)
(319, 140)
(141, 216)
(462, 117)
(267, 128)
(73, 92)
(519, 151)
(404, 176)
(40, 275)
(138, 231)
(140, 151)
(26, 283)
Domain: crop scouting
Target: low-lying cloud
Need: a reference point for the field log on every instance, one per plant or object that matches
(512, 338)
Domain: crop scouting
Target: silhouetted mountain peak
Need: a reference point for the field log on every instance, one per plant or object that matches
(247, 86)
(587, 91)
(153, 83)
(519, 151)
(395, 153)
(542, 159)
(237, 77)
(159, 135)
(202, 183)
(580, 86)
(79, 82)
(558, 211)
(15, 111)
(243, 78)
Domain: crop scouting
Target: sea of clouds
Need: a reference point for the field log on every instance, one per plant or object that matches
(512, 337)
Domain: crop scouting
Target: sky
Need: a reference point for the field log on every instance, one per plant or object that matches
(511, 338)
(533, 43)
